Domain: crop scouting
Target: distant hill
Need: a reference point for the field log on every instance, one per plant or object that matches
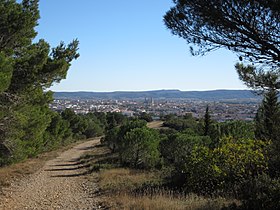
(211, 95)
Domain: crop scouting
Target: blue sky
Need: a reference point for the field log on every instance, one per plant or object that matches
(124, 45)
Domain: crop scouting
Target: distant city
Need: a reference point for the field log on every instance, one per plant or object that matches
(221, 109)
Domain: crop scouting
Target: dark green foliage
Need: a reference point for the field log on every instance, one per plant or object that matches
(111, 138)
(128, 126)
(102, 117)
(181, 123)
(200, 169)
(140, 148)
(111, 121)
(5, 72)
(215, 163)
(38, 67)
(207, 121)
(199, 172)
(78, 124)
(260, 193)
(136, 144)
(268, 117)
(181, 151)
(145, 116)
(27, 68)
(114, 135)
(114, 119)
(58, 133)
(93, 129)
(95, 126)
(176, 147)
(27, 124)
(267, 128)
(168, 117)
(258, 79)
(17, 24)
(195, 163)
(249, 28)
(68, 126)
(229, 159)
(237, 129)
(83, 126)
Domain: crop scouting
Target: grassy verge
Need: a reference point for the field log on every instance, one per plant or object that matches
(164, 200)
(125, 188)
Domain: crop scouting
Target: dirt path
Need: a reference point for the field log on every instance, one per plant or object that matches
(60, 184)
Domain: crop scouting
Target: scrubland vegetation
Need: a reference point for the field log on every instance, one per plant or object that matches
(191, 163)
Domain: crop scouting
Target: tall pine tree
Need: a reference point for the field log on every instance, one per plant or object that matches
(27, 69)
(207, 121)
(268, 128)
(268, 117)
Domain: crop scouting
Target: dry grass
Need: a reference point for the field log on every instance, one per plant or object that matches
(132, 189)
(155, 124)
(165, 200)
(124, 188)
(126, 180)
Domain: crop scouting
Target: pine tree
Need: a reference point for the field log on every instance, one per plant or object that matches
(268, 117)
(268, 128)
(248, 28)
(207, 121)
(27, 69)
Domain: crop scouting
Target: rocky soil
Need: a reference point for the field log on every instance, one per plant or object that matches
(60, 184)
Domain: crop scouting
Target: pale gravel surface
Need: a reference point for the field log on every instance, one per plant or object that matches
(60, 184)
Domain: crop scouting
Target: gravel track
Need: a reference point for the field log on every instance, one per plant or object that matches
(60, 184)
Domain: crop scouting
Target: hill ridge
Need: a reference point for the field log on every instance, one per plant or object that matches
(221, 94)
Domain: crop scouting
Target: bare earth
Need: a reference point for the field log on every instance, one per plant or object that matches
(60, 184)
(155, 124)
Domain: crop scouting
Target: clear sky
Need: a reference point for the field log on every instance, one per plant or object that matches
(124, 45)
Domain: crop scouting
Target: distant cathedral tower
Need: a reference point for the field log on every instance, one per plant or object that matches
(152, 101)
(149, 102)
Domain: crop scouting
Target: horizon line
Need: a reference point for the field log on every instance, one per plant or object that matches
(112, 91)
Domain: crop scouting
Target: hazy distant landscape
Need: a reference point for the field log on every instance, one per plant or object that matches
(211, 95)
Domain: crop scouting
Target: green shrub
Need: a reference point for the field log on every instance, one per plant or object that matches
(140, 148)
(238, 160)
(200, 169)
(260, 193)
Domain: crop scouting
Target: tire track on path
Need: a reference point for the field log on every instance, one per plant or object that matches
(59, 184)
